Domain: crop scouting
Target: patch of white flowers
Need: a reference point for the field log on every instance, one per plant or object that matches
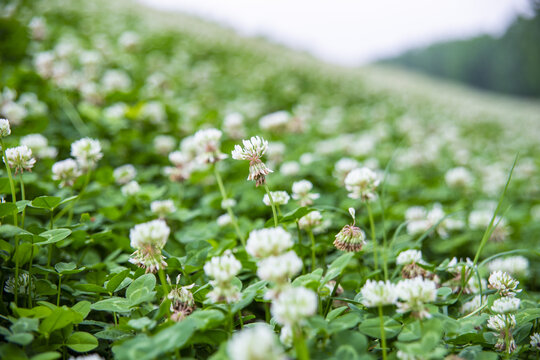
(223, 269)
(124, 174)
(268, 242)
(66, 171)
(162, 207)
(87, 153)
(362, 184)
(379, 293)
(279, 198)
(294, 305)
(301, 192)
(255, 343)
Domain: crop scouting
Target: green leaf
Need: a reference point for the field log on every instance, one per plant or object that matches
(93, 288)
(46, 202)
(49, 355)
(140, 290)
(11, 230)
(82, 307)
(336, 267)
(5, 188)
(24, 325)
(114, 304)
(371, 327)
(7, 209)
(82, 341)
(22, 339)
(54, 236)
(63, 267)
(344, 322)
(59, 318)
(116, 280)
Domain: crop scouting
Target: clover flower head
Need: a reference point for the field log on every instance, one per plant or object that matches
(224, 220)
(162, 207)
(350, 237)
(10, 284)
(310, 220)
(473, 304)
(5, 129)
(124, 174)
(409, 257)
(233, 125)
(228, 203)
(39, 146)
(207, 143)
(301, 192)
(164, 144)
(505, 304)
(503, 283)
(501, 322)
(253, 151)
(362, 184)
(223, 269)
(66, 171)
(378, 293)
(278, 197)
(279, 269)
(294, 305)
(268, 242)
(255, 343)
(87, 152)
(514, 265)
(459, 177)
(130, 189)
(149, 239)
(535, 341)
(182, 302)
(20, 158)
(415, 293)
(343, 167)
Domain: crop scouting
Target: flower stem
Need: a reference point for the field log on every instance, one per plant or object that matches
(300, 347)
(11, 182)
(229, 210)
(165, 287)
(375, 247)
(383, 334)
(313, 259)
(22, 198)
(273, 205)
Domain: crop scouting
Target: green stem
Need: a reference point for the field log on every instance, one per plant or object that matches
(23, 197)
(300, 346)
(313, 259)
(229, 210)
(273, 205)
(385, 241)
(240, 319)
(115, 319)
(331, 300)
(383, 334)
(59, 289)
(49, 260)
(30, 274)
(375, 246)
(165, 286)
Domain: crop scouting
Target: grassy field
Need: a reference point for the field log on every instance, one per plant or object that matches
(172, 190)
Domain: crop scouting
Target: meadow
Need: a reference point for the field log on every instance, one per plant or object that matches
(172, 190)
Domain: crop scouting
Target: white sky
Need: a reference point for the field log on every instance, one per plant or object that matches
(353, 32)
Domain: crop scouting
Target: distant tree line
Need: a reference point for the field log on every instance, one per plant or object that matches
(508, 64)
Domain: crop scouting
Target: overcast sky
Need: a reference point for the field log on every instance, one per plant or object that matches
(353, 32)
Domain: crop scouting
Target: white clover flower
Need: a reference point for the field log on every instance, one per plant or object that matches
(409, 257)
(501, 322)
(87, 152)
(350, 237)
(301, 192)
(228, 203)
(233, 125)
(10, 285)
(362, 184)
(223, 269)
(207, 143)
(183, 166)
(86, 357)
(513, 265)
(276, 121)
(130, 189)
(5, 129)
(66, 171)
(505, 305)
(279, 269)
(44, 64)
(154, 111)
(503, 283)
(535, 341)
(20, 158)
(253, 151)
(124, 174)
(286, 336)
(379, 293)
(480, 219)
(294, 305)
(39, 146)
(473, 304)
(276, 151)
(278, 197)
(289, 168)
(268, 242)
(459, 177)
(182, 301)
(149, 239)
(164, 144)
(14, 112)
(415, 293)
(310, 220)
(224, 220)
(162, 207)
(402, 355)
(343, 167)
(257, 342)
(38, 28)
(115, 80)
(128, 40)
